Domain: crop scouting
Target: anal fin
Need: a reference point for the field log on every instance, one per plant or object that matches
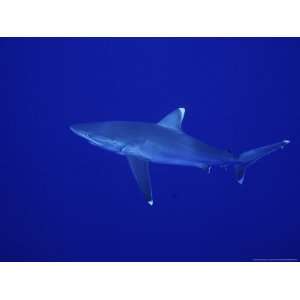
(240, 171)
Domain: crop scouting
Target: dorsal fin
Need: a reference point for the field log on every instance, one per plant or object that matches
(174, 119)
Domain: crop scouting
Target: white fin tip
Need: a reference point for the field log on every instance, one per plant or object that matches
(151, 202)
(286, 141)
(182, 111)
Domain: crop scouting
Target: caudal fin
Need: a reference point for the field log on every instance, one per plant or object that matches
(250, 157)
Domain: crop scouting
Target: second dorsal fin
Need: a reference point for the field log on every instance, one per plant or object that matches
(174, 119)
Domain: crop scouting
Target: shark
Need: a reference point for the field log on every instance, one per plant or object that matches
(166, 143)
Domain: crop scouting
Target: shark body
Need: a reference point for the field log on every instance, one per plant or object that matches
(165, 143)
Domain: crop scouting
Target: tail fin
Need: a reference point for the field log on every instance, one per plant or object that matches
(250, 157)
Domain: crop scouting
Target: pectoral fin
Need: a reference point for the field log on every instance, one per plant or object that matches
(140, 170)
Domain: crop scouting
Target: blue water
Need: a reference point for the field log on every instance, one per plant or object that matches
(62, 199)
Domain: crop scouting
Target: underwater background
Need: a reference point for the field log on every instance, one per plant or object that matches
(62, 199)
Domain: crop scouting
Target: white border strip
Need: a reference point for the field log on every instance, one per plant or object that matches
(149, 18)
(149, 281)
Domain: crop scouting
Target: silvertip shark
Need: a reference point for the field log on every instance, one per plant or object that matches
(165, 143)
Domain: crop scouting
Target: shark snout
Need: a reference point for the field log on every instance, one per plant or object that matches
(74, 128)
(79, 130)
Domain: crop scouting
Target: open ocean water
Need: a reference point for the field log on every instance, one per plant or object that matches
(62, 199)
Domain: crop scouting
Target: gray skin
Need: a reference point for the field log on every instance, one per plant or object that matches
(165, 143)
(153, 143)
